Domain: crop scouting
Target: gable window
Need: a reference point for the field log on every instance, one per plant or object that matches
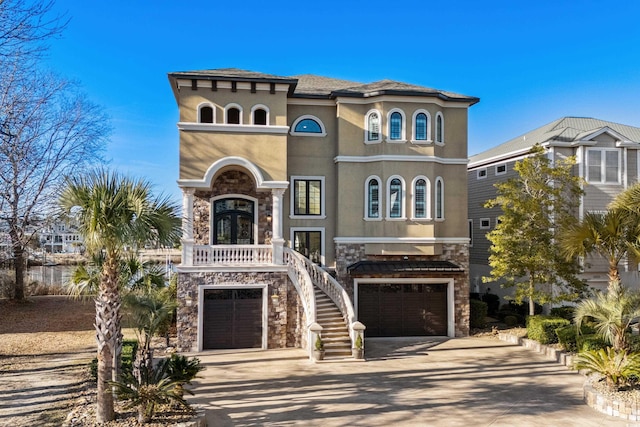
(372, 198)
(421, 130)
(439, 199)
(372, 129)
(603, 166)
(439, 128)
(309, 126)
(260, 116)
(206, 114)
(234, 116)
(395, 196)
(421, 198)
(307, 196)
(396, 126)
(482, 173)
(501, 169)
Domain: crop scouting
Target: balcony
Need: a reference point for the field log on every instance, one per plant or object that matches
(232, 255)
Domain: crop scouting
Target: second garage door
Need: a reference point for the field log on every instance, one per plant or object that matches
(403, 309)
(232, 318)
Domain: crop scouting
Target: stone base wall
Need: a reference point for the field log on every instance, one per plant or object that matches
(347, 254)
(285, 324)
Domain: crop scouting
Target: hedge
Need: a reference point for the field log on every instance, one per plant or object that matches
(478, 314)
(543, 328)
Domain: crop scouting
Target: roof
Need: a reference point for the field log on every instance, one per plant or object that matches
(392, 267)
(563, 130)
(313, 86)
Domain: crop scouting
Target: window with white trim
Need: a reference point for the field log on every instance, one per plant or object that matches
(259, 115)
(205, 114)
(439, 128)
(307, 196)
(372, 126)
(395, 198)
(485, 223)
(501, 169)
(482, 173)
(372, 198)
(603, 165)
(308, 125)
(421, 126)
(421, 189)
(396, 126)
(439, 199)
(233, 114)
(470, 233)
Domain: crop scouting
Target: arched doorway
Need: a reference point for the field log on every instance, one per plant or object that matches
(233, 221)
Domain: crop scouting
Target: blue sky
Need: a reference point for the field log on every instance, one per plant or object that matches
(528, 62)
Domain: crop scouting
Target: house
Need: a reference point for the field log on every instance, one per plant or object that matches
(318, 206)
(607, 158)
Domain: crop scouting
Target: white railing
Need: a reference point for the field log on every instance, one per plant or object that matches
(232, 254)
(329, 286)
(300, 278)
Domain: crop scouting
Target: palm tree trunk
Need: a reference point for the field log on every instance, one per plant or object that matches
(107, 334)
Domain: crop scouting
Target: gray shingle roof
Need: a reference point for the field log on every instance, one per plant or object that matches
(313, 86)
(565, 129)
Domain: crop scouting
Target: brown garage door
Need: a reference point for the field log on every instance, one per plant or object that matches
(232, 318)
(403, 309)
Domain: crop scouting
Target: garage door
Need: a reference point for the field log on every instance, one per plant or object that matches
(403, 309)
(232, 318)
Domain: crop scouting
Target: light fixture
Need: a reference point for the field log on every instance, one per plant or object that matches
(269, 217)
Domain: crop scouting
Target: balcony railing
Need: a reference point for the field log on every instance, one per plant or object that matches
(232, 255)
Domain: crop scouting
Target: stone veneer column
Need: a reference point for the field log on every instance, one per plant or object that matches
(187, 226)
(277, 240)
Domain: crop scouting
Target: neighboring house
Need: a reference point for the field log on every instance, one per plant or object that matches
(314, 201)
(61, 237)
(607, 158)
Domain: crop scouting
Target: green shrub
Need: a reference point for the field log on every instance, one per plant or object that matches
(634, 343)
(543, 328)
(616, 366)
(511, 320)
(478, 314)
(590, 342)
(567, 337)
(566, 312)
(129, 349)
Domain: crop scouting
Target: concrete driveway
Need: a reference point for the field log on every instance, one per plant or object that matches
(404, 382)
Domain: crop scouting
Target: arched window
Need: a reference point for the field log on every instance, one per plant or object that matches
(421, 198)
(233, 114)
(395, 197)
(439, 198)
(206, 114)
(439, 128)
(372, 126)
(421, 126)
(260, 117)
(372, 202)
(309, 126)
(396, 126)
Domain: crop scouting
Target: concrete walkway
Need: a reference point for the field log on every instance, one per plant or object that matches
(405, 382)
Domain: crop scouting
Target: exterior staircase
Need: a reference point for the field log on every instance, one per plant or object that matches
(335, 334)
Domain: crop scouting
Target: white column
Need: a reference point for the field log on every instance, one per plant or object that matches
(276, 226)
(187, 226)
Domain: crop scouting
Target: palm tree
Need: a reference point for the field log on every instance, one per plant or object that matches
(114, 212)
(612, 234)
(612, 313)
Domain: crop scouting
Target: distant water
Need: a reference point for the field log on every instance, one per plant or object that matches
(50, 275)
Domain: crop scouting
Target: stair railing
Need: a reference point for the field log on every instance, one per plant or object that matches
(332, 288)
(299, 276)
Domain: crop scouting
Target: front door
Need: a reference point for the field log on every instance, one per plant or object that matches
(233, 222)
